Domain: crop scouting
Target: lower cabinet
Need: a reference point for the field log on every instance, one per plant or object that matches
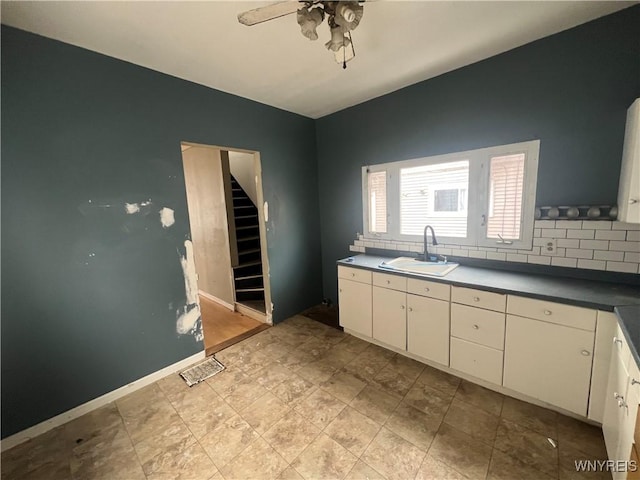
(390, 317)
(428, 328)
(549, 362)
(355, 303)
(621, 404)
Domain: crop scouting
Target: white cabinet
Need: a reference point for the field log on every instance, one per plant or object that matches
(621, 405)
(355, 301)
(605, 331)
(477, 334)
(629, 186)
(428, 327)
(390, 317)
(549, 362)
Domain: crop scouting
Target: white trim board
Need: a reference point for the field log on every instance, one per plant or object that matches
(101, 401)
(216, 300)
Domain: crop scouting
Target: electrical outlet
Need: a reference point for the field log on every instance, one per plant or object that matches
(550, 247)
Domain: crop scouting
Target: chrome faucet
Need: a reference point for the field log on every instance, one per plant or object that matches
(434, 242)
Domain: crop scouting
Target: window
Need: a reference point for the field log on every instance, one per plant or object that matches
(482, 197)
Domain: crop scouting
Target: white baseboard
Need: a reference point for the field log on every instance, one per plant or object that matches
(217, 300)
(101, 401)
(252, 313)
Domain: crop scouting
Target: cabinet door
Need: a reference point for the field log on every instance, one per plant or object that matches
(390, 317)
(549, 362)
(613, 407)
(428, 328)
(354, 300)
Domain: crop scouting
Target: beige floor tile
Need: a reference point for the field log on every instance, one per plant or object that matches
(581, 436)
(271, 376)
(141, 402)
(258, 461)
(391, 381)
(353, 344)
(176, 435)
(294, 389)
(204, 419)
(173, 386)
(91, 424)
(338, 356)
(369, 362)
(461, 452)
(316, 347)
(531, 416)
(291, 435)
(393, 456)
(415, 425)
(320, 408)
(324, 458)
(473, 421)
(223, 382)
(527, 446)
(375, 403)
(228, 439)
(290, 473)
(432, 469)
(295, 360)
(254, 361)
(243, 393)
(505, 467)
(353, 430)
(408, 367)
(429, 400)
(362, 471)
(277, 350)
(480, 397)
(343, 386)
(154, 419)
(191, 463)
(439, 380)
(48, 470)
(264, 412)
(317, 372)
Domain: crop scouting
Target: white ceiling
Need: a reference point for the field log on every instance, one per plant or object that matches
(398, 43)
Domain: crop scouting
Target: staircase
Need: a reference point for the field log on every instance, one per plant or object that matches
(247, 274)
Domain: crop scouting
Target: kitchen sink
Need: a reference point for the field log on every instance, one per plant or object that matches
(411, 265)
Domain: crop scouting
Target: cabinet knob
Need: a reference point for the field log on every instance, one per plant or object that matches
(388, 282)
(353, 274)
(476, 299)
(632, 201)
(586, 353)
(547, 312)
(476, 327)
(340, 290)
(402, 307)
(426, 289)
(410, 309)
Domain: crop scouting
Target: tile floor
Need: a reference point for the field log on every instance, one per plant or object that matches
(303, 400)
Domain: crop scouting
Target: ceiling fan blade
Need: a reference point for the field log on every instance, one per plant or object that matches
(269, 12)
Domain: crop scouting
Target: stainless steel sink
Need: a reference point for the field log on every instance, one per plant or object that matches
(411, 265)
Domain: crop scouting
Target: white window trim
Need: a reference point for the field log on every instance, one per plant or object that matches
(477, 195)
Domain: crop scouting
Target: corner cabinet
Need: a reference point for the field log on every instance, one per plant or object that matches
(629, 186)
(549, 352)
(354, 298)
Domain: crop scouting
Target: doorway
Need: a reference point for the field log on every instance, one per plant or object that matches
(228, 230)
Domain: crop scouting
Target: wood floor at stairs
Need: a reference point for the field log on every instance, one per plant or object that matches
(222, 327)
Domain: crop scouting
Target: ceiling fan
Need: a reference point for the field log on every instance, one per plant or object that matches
(342, 17)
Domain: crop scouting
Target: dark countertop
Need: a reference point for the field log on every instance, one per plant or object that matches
(623, 299)
(629, 316)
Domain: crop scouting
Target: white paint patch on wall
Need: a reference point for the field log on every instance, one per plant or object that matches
(265, 208)
(131, 208)
(188, 318)
(167, 217)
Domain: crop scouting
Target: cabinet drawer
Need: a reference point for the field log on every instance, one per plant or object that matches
(394, 282)
(426, 288)
(477, 360)
(355, 274)
(479, 298)
(567, 315)
(477, 325)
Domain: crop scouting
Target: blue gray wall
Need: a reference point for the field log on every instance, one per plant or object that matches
(89, 293)
(570, 90)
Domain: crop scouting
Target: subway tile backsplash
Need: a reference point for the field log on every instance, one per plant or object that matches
(593, 245)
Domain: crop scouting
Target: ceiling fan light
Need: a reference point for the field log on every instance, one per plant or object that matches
(338, 40)
(309, 19)
(348, 15)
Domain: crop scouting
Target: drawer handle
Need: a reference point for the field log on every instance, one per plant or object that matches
(340, 290)
(634, 381)
(476, 327)
(476, 299)
(402, 307)
(547, 312)
(586, 353)
(617, 340)
(617, 396)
